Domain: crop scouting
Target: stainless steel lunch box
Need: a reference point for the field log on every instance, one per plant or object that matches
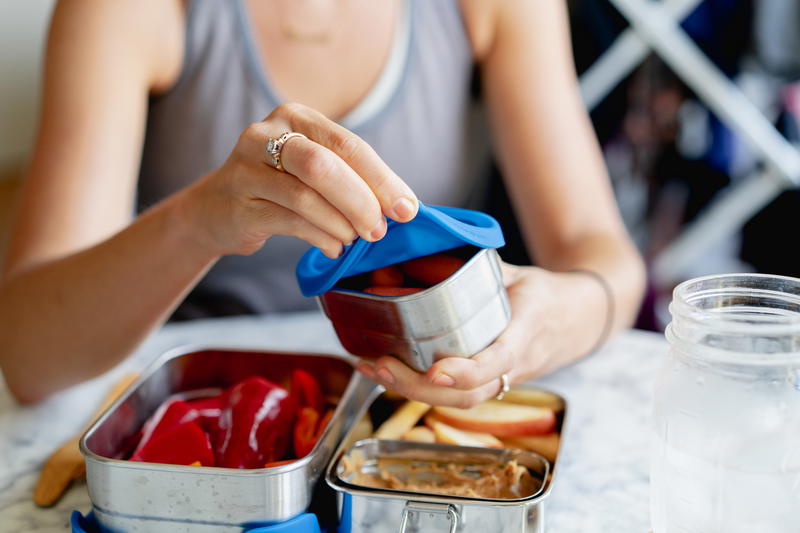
(386, 511)
(457, 317)
(134, 496)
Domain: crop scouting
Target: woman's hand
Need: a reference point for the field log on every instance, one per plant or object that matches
(334, 188)
(541, 327)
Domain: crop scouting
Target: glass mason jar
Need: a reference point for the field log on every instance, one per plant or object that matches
(726, 449)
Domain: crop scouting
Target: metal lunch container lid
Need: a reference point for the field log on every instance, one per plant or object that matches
(434, 229)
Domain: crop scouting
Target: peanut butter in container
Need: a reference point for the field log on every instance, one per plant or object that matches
(429, 468)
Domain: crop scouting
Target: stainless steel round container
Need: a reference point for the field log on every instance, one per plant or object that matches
(458, 317)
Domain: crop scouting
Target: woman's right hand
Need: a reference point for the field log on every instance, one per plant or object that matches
(334, 188)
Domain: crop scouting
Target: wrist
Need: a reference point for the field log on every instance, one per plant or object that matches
(599, 291)
(187, 226)
(543, 307)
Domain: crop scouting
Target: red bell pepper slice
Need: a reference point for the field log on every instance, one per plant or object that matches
(323, 423)
(392, 291)
(305, 430)
(389, 276)
(432, 269)
(208, 411)
(254, 425)
(279, 463)
(183, 444)
(170, 414)
(308, 429)
(306, 390)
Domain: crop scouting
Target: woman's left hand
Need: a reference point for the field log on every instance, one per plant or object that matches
(524, 350)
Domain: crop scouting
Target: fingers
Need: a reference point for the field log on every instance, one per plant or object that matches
(325, 172)
(344, 187)
(320, 169)
(396, 199)
(396, 376)
(286, 190)
(509, 272)
(280, 220)
(515, 352)
(464, 382)
(469, 373)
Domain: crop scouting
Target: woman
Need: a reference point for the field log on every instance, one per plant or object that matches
(143, 102)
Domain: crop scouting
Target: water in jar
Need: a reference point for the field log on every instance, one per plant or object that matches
(721, 465)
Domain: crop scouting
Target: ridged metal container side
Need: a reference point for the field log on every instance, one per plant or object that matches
(457, 317)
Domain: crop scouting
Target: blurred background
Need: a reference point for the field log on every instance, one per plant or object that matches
(695, 102)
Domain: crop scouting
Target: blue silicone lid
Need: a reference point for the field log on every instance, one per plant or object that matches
(434, 229)
(304, 523)
(81, 524)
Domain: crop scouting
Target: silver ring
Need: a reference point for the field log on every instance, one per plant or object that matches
(274, 147)
(504, 386)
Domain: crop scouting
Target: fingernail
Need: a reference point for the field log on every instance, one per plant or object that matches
(443, 380)
(386, 376)
(333, 254)
(403, 209)
(378, 233)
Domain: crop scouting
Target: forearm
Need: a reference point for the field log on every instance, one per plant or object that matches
(70, 319)
(615, 260)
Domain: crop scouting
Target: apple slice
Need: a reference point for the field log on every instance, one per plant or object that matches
(449, 435)
(500, 418)
(362, 429)
(405, 418)
(534, 398)
(544, 445)
(419, 434)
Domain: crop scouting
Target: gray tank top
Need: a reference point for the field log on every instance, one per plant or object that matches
(418, 116)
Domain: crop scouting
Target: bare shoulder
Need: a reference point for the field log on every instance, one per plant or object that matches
(103, 58)
(146, 34)
(513, 21)
(480, 18)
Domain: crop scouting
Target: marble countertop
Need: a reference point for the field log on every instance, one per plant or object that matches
(602, 481)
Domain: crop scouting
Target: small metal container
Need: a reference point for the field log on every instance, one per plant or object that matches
(458, 317)
(135, 496)
(378, 509)
(371, 510)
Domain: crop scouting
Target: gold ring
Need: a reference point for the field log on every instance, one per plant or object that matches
(504, 386)
(274, 147)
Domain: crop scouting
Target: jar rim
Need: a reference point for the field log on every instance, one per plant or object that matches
(772, 310)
